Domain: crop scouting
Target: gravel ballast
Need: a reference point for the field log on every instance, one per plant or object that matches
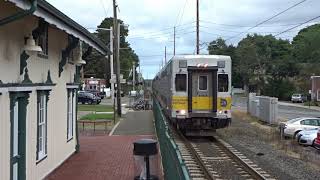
(283, 159)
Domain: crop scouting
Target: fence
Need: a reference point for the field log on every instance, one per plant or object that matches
(173, 165)
(264, 108)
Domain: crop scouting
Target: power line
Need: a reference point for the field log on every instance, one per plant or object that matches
(238, 25)
(104, 8)
(166, 35)
(297, 25)
(184, 6)
(262, 22)
(270, 32)
(161, 31)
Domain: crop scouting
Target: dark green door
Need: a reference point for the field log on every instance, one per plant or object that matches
(18, 107)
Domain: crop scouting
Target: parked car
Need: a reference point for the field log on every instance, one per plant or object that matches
(292, 127)
(88, 97)
(307, 137)
(298, 98)
(316, 143)
(97, 93)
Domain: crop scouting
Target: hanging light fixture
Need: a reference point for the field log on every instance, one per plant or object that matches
(31, 45)
(78, 56)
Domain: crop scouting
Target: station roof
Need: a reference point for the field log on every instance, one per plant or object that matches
(55, 17)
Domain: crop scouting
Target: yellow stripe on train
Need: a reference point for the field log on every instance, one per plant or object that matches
(199, 103)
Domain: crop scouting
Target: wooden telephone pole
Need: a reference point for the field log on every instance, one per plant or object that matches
(116, 56)
(198, 49)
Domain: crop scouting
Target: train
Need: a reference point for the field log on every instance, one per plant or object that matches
(194, 92)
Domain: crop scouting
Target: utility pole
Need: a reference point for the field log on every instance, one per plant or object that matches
(116, 55)
(198, 50)
(165, 54)
(133, 75)
(112, 74)
(174, 40)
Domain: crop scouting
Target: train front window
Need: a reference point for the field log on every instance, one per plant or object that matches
(223, 82)
(203, 83)
(181, 82)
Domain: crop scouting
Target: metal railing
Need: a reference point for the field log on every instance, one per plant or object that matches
(173, 165)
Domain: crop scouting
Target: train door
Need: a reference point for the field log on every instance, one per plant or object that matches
(203, 90)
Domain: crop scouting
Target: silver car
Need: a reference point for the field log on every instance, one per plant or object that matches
(298, 98)
(307, 138)
(292, 127)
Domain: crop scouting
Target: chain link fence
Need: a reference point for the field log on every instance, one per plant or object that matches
(173, 165)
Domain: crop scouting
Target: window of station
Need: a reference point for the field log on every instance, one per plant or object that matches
(203, 83)
(181, 82)
(223, 82)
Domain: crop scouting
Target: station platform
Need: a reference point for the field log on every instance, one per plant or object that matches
(110, 157)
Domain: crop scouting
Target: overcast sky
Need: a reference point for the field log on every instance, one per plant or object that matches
(151, 22)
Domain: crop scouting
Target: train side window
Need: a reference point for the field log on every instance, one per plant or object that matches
(203, 83)
(223, 82)
(181, 82)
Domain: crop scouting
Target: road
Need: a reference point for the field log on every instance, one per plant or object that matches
(284, 111)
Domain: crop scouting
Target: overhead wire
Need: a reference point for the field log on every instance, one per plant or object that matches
(289, 29)
(264, 21)
(181, 18)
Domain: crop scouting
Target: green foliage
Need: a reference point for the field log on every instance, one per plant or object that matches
(97, 108)
(271, 66)
(93, 116)
(98, 66)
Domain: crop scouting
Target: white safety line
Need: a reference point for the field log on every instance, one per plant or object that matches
(114, 128)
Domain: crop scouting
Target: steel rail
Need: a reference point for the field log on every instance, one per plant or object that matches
(203, 167)
(255, 174)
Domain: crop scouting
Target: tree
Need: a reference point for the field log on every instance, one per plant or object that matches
(98, 66)
(306, 54)
(219, 47)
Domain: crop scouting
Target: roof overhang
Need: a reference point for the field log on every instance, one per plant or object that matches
(55, 17)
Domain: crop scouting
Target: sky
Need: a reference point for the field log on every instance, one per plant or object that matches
(151, 22)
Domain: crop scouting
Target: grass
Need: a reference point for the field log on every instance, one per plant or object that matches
(93, 116)
(97, 108)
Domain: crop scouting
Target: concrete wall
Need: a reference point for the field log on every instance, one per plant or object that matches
(11, 46)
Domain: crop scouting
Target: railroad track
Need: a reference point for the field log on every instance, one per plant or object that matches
(212, 158)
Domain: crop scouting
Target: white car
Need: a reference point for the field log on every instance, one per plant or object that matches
(292, 127)
(307, 138)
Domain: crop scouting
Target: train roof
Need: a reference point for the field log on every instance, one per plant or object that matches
(186, 57)
(192, 56)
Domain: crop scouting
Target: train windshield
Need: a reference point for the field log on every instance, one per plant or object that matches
(181, 82)
(203, 83)
(223, 82)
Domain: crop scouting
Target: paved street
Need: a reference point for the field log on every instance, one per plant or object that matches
(285, 111)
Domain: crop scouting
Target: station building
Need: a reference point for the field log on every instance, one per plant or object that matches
(40, 60)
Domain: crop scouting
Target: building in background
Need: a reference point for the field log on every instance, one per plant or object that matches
(94, 84)
(40, 59)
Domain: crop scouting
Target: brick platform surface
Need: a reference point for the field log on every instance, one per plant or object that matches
(101, 158)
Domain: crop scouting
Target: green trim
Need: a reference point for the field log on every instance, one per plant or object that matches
(23, 61)
(77, 80)
(25, 85)
(49, 80)
(72, 43)
(22, 99)
(26, 79)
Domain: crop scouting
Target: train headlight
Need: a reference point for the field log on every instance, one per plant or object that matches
(183, 112)
(223, 103)
(220, 112)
